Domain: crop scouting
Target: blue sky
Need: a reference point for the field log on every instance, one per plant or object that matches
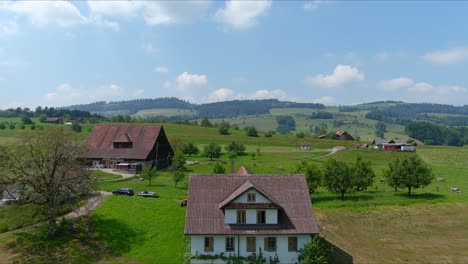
(61, 53)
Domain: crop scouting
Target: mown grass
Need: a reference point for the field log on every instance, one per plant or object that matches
(99, 175)
(146, 230)
(13, 217)
(423, 233)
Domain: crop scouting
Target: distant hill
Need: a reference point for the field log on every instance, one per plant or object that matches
(210, 110)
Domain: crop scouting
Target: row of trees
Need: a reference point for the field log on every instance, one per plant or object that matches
(341, 177)
(338, 176)
(433, 134)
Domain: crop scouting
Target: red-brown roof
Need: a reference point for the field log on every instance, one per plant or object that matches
(102, 138)
(339, 133)
(206, 192)
(247, 185)
(242, 171)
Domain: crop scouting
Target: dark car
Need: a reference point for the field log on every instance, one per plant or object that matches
(124, 191)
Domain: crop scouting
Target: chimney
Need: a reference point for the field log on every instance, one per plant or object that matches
(232, 166)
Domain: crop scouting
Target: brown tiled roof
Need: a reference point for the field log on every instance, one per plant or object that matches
(251, 206)
(242, 171)
(206, 192)
(100, 142)
(247, 185)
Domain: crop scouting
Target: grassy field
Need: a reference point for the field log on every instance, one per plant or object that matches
(423, 233)
(379, 225)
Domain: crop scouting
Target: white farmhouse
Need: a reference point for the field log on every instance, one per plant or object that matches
(238, 215)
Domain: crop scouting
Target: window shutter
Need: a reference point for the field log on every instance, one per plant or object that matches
(265, 244)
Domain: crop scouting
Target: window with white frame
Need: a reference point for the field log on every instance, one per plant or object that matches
(230, 245)
(270, 244)
(251, 197)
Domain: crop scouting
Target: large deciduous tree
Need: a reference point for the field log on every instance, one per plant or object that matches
(362, 174)
(212, 150)
(313, 174)
(48, 167)
(337, 176)
(190, 149)
(410, 173)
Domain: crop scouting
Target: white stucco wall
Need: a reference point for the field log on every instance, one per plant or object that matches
(230, 216)
(259, 198)
(198, 243)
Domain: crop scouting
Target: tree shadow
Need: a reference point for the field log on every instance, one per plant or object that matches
(422, 196)
(353, 198)
(117, 235)
(339, 255)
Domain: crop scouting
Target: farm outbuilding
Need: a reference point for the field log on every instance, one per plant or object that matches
(305, 146)
(343, 135)
(133, 146)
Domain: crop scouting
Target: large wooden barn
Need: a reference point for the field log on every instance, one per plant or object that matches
(129, 146)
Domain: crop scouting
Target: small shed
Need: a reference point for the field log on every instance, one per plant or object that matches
(305, 146)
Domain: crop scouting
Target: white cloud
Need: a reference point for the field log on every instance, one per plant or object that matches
(421, 87)
(187, 82)
(241, 14)
(161, 69)
(43, 13)
(153, 12)
(326, 100)
(114, 8)
(341, 75)
(448, 56)
(8, 28)
(382, 56)
(395, 84)
(225, 94)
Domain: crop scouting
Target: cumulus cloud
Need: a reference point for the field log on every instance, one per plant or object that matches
(43, 13)
(341, 75)
(448, 56)
(421, 87)
(241, 14)
(153, 12)
(226, 94)
(161, 69)
(186, 81)
(395, 84)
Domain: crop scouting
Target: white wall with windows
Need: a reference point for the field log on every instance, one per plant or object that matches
(284, 246)
(231, 216)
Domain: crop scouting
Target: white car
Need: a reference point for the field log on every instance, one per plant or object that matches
(148, 194)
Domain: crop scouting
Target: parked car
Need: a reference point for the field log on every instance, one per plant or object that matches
(123, 191)
(148, 194)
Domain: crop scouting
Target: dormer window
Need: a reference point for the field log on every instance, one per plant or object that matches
(241, 219)
(123, 142)
(251, 197)
(123, 145)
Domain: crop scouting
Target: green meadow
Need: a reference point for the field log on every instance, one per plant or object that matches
(140, 230)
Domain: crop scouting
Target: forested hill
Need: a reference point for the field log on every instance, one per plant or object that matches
(248, 107)
(211, 110)
(133, 106)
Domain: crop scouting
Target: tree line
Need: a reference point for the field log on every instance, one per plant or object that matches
(433, 134)
(341, 177)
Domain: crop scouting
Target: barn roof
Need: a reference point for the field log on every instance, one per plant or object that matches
(339, 133)
(102, 138)
(207, 192)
